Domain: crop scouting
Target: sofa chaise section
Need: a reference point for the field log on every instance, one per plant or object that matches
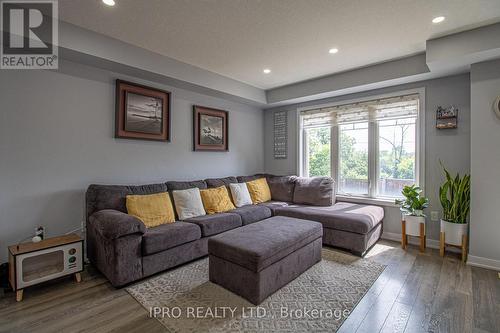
(349, 226)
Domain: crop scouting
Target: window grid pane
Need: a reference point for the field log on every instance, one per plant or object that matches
(353, 158)
(318, 151)
(396, 156)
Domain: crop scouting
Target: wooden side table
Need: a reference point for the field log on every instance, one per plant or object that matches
(421, 234)
(34, 263)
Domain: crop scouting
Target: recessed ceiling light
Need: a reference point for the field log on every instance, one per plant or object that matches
(110, 3)
(266, 71)
(438, 19)
(333, 51)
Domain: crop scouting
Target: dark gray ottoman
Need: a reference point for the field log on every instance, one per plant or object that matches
(256, 260)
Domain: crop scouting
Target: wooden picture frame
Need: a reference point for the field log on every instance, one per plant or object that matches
(141, 112)
(210, 129)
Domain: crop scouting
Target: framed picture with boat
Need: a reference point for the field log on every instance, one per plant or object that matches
(210, 129)
(142, 112)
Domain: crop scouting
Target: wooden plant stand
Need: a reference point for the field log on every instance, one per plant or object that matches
(462, 247)
(404, 236)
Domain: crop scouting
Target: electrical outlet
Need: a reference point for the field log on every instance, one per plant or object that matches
(434, 216)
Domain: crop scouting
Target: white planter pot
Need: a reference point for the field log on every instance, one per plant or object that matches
(453, 232)
(413, 224)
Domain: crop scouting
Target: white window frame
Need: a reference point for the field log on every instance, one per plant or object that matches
(373, 147)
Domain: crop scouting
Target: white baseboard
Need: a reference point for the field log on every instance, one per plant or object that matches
(431, 243)
(483, 262)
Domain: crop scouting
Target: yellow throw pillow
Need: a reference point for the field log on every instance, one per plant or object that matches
(216, 200)
(259, 190)
(152, 209)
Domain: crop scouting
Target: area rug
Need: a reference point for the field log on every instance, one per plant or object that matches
(184, 300)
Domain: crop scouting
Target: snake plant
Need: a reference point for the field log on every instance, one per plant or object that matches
(454, 195)
(414, 203)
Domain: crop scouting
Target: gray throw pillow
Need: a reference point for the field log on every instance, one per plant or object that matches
(282, 187)
(315, 191)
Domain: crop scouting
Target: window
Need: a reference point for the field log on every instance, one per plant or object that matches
(369, 147)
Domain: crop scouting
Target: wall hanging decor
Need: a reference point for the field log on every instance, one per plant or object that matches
(446, 117)
(280, 134)
(141, 112)
(496, 106)
(210, 129)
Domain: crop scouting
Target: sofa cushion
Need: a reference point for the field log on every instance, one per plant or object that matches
(216, 223)
(99, 197)
(273, 205)
(217, 182)
(344, 216)
(258, 245)
(316, 191)
(152, 209)
(216, 200)
(239, 193)
(282, 187)
(167, 236)
(188, 203)
(259, 190)
(252, 213)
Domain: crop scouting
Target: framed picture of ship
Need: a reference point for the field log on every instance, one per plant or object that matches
(141, 112)
(210, 129)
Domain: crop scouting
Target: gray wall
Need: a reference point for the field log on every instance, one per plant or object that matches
(485, 163)
(56, 137)
(451, 146)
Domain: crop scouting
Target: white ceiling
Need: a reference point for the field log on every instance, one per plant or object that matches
(239, 38)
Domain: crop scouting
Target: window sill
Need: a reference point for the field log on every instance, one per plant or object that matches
(368, 201)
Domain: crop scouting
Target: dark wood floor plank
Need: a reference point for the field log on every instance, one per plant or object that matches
(416, 276)
(376, 317)
(390, 255)
(421, 311)
(486, 299)
(397, 318)
(452, 306)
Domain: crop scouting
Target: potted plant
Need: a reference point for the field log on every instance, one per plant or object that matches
(454, 195)
(412, 208)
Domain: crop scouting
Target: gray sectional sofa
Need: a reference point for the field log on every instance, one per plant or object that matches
(124, 250)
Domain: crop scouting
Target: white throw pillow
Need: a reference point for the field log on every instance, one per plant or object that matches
(240, 194)
(188, 203)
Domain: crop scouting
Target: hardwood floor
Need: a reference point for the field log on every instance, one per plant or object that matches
(416, 293)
